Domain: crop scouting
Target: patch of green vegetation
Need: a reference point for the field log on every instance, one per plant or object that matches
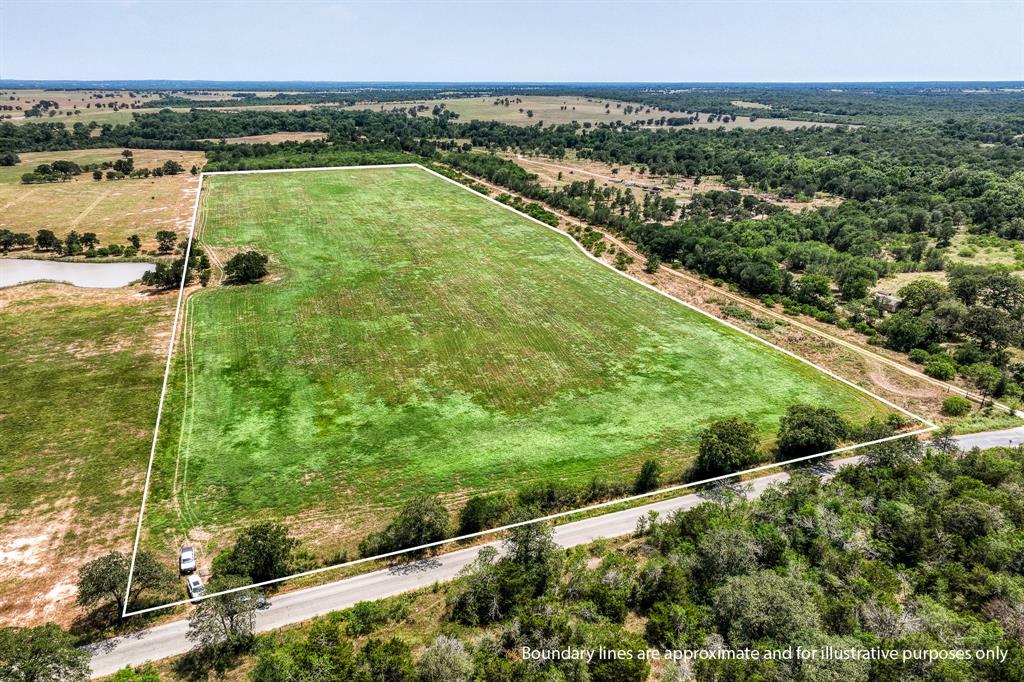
(414, 339)
(80, 384)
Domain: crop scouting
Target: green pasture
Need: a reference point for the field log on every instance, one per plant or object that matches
(415, 338)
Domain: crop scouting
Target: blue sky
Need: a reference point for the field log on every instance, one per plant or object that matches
(513, 41)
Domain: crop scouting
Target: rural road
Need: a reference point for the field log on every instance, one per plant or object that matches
(294, 607)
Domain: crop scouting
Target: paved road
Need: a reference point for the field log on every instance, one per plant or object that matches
(294, 607)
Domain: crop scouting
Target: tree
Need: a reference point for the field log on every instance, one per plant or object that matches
(46, 240)
(97, 175)
(651, 264)
(89, 240)
(41, 654)
(166, 240)
(9, 159)
(421, 521)
(483, 511)
(808, 430)
(171, 168)
(940, 367)
(323, 655)
(815, 290)
(135, 241)
(246, 267)
(855, 279)
(923, 294)
(105, 579)
(224, 621)
(726, 446)
(72, 244)
(629, 668)
(765, 606)
(261, 552)
(10, 240)
(993, 328)
(386, 661)
(445, 660)
(648, 478)
(985, 378)
(676, 626)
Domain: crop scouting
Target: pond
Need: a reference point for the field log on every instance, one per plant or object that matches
(92, 275)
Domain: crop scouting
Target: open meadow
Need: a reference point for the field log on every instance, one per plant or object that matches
(414, 338)
(552, 110)
(80, 385)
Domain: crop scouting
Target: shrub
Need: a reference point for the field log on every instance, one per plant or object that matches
(919, 355)
(956, 406)
(940, 367)
(648, 478)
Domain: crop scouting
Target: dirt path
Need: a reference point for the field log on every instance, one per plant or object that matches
(88, 209)
(18, 199)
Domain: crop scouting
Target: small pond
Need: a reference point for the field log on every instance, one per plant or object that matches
(93, 275)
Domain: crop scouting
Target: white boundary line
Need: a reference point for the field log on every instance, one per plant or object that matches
(772, 465)
(163, 393)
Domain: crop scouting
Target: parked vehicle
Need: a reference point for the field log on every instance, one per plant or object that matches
(187, 560)
(195, 586)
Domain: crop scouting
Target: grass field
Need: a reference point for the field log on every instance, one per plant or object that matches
(114, 210)
(75, 106)
(550, 110)
(415, 338)
(80, 381)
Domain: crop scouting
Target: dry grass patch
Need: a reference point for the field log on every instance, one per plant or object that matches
(113, 209)
(270, 138)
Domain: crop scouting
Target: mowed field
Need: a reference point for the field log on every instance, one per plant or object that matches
(80, 373)
(114, 210)
(415, 338)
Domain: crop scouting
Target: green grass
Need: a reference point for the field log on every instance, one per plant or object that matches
(79, 386)
(79, 383)
(419, 339)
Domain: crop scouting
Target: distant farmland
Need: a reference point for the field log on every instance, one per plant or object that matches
(414, 338)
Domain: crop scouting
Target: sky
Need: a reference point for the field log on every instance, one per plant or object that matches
(550, 41)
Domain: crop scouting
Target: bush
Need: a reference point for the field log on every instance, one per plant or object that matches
(367, 616)
(919, 355)
(956, 406)
(940, 367)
